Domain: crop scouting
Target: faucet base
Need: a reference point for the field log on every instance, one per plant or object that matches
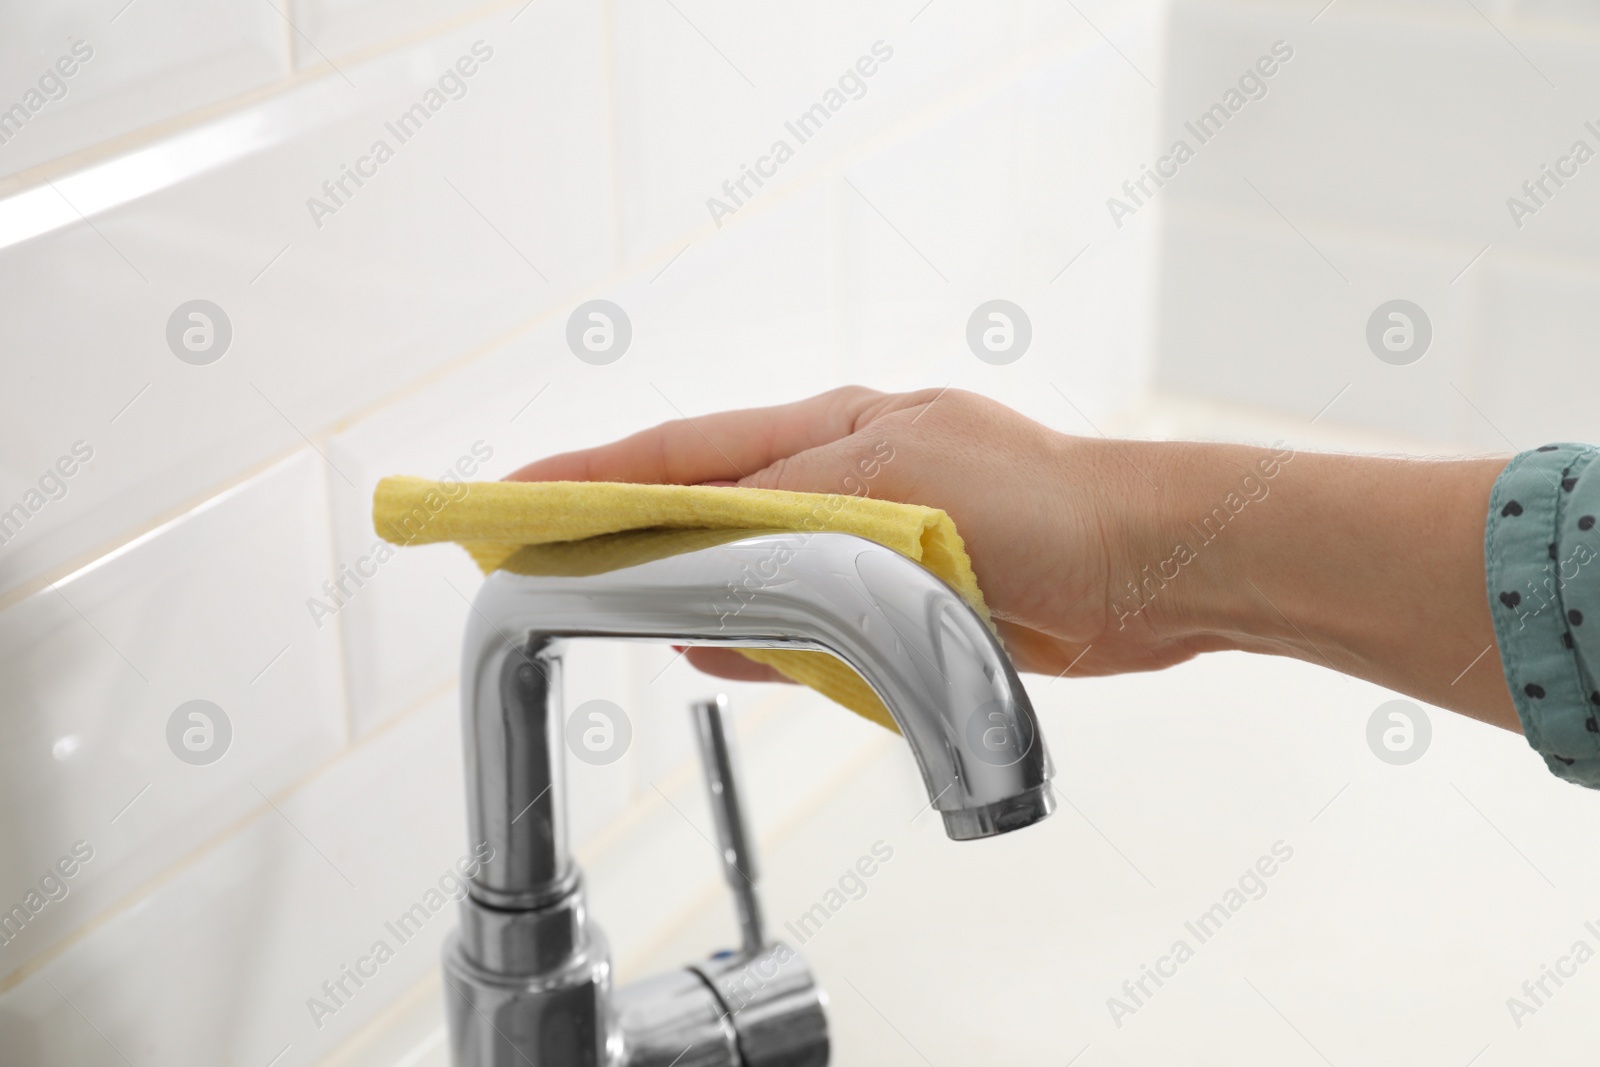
(560, 1017)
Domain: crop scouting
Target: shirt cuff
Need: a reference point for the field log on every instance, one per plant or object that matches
(1542, 557)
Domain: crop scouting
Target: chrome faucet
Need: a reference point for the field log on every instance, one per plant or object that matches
(527, 975)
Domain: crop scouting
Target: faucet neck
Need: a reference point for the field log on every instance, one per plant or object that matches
(516, 787)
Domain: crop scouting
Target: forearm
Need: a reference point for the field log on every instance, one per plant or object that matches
(1371, 566)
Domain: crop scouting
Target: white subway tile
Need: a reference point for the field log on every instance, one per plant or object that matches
(742, 316)
(1001, 199)
(1570, 13)
(132, 66)
(407, 275)
(329, 29)
(1252, 313)
(665, 684)
(707, 92)
(97, 666)
(1384, 120)
(218, 963)
(1539, 323)
(599, 792)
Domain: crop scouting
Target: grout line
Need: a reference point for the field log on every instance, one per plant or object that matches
(290, 48)
(341, 648)
(613, 84)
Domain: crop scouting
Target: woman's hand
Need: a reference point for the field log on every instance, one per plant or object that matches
(1038, 510)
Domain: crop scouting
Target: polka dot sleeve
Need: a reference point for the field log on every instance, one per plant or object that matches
(1543, 560)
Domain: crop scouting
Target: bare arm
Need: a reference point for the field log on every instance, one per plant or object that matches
(1371, 566)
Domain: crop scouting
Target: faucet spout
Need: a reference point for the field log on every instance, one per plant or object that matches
(935, 664)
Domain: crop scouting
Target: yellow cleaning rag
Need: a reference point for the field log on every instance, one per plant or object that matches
(586, 527)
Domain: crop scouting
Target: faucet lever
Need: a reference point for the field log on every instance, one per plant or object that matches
(733, 835)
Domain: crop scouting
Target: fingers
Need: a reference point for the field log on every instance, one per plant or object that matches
(848, 465)
(729, 663)
(830, 468)
(862, 464)
(719, 447)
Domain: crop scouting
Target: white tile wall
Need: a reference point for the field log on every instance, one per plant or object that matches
(94, 667)
(1540, 324)
(131, 66)
(702, 98)
(1460, 114)
(1457, 116)
(217, 966)
(1294, 332)
(741, 317)
(704, 90)
(326, 322)
(994, 200)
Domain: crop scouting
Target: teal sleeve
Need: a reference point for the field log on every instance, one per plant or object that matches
(1542, 555)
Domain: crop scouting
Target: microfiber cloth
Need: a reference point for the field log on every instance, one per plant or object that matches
(588, 527)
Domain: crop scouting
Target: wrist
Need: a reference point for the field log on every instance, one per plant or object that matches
(1197, 519)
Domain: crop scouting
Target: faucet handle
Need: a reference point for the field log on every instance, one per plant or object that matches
(733, 835)
(767, 993)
